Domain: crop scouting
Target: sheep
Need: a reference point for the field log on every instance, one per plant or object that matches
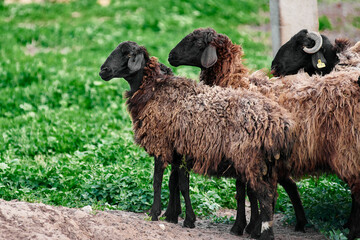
(328, 130)
(349, 60)
(204, 46)
(314, 101)
(308, 50)
(227, 132)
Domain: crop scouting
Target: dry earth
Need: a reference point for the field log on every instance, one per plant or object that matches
(22, 220)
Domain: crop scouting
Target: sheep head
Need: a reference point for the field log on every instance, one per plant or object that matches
(126, 59)
(308, 50)
(195, 49)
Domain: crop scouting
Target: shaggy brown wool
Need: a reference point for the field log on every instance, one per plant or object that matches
(228, 70)
(328, 113)
(349, 58)
(209, 124)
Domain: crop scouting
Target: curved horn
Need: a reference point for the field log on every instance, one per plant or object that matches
(318, 42)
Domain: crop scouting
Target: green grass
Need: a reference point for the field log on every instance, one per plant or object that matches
(324, 23)
(65, 135)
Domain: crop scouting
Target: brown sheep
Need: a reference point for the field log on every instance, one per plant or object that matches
(314, 101)
(237, 132)
(220, 61)
(328, 131)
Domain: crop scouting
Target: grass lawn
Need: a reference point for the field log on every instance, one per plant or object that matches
(65, 135)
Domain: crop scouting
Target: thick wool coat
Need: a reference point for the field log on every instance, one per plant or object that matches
(326, 109)
(209, 124)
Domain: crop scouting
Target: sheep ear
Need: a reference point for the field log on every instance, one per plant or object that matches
(135, 63)
(209, 57)
(318, 60)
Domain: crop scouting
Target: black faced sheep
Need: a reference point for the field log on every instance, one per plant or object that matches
(226, 70)
(309, 51)
(237, 132)
(327, 113)
(219, 59)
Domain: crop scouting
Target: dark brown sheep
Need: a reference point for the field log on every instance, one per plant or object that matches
(325, 128)
(204, 46)
(219, 59)
(328, 132)
(238, 132)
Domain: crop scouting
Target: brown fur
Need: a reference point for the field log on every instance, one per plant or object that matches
(209, 124)
(228, 70)
(329, 121)
(349, 58)
(328, 116)
(341, 44)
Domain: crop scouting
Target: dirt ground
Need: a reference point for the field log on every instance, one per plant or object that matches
(21, 220)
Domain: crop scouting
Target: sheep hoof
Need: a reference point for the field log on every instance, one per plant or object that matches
(188, 224)
(237, 230)
(267, 235)
(171, 219)
(250, 228)
(299, 227)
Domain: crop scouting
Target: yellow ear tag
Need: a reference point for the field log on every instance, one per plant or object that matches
(320, 64)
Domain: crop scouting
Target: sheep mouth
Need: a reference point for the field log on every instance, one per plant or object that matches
(105, 77)
(173, 61)
(275, 73)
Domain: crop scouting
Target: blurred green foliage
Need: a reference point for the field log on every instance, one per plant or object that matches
(324, 23)
(356, 22)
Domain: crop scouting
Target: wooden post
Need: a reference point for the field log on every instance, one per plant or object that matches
(290, 16)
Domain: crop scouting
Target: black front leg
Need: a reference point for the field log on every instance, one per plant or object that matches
(265, 193)
(184, 183)
(254, 217)
(291, 189)
(174, 207)
(240, 222)
(158, 176)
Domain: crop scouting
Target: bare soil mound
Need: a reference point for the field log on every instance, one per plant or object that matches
(21, 220)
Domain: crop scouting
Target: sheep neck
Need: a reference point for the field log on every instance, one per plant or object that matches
(228, 70)
(143, 87)
(135, 81)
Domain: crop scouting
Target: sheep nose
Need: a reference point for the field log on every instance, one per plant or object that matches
(105, 69)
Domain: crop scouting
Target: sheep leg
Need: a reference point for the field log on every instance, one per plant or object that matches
(264, 226)
(240, 222)
(184, 188)
(355, 215)
(254, 210)
(174, 207)
(291, 189)
(349, 222)
(158, 176)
